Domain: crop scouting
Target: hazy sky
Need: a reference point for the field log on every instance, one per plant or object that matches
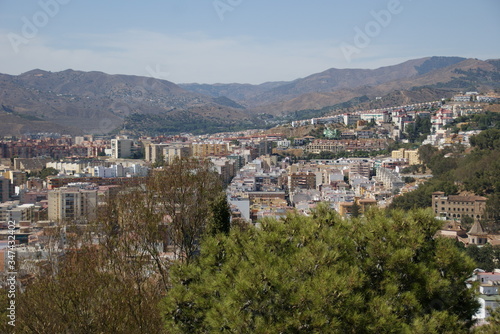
(246, 41)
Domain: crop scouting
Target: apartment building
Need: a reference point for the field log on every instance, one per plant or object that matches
(410, 155)
(204, 150)
(5, 189)
(301, 180)
(121, 148)
(72, 204)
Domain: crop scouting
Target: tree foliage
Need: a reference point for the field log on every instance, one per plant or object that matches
(220, 215)
(109, 276)
(488, 139)
(323, 274)
(183, 193)
(486, 257)
(453, 172)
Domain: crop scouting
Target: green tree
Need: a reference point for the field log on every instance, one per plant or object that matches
(220, 215)
(483, 256)
(355, 210)
(426, 152)
(324, 274)
(48, 172)
(183, 193)
(488, 139)
(159, 162)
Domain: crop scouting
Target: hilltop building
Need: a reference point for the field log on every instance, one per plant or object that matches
(456, 207)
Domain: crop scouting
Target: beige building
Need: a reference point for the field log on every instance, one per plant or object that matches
(203, 150)
(72, 204)
(176, 151)
(166, 151)
(318, 146)
(153, 152)
(410, 155)
(456, 207)
(17, 178)
(121, 148)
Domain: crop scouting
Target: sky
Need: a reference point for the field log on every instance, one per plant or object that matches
(243, 41)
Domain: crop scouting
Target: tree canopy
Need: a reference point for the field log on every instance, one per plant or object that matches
(324, 274)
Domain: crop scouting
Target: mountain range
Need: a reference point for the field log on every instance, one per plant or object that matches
(76, 102)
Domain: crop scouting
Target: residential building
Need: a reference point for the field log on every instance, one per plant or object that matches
(410, 155)
(17, 178)
(121, 148)
(13, 211)
(489, 298)
(72, 204)
(318, 146)
(154, 152)
(379, 116)
(5, 189)
(204, 150)
(351, 119)
(301, 180)
(391, 179)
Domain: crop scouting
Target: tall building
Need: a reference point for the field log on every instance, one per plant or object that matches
(17, 178)
(176, 151)
(166, 152)
(72, 204)
(154, 152)
(4, 189)
(121, 148)
(301, 180)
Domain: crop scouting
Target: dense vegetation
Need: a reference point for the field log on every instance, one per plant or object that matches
(185, 122)
(323, 274)
(113, 272)
(418, 131)
(476, 122)
(454, 171)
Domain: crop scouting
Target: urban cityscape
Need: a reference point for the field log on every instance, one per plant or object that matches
(237, 166)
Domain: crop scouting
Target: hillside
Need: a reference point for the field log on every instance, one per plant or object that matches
(435, 83)
(94, 102)
(329, 81)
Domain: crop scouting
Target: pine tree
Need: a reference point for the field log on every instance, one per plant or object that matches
(324, 274)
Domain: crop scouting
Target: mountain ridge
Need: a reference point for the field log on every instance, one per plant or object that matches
(96, 102)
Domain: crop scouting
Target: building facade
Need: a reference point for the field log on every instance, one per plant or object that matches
(457, 207)
(72, 204)
(121, 148)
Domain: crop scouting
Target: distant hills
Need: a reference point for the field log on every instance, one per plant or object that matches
(76, 102)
